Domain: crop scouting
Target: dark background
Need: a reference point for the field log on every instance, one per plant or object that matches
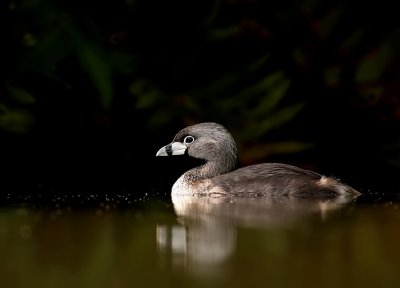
(90, 90)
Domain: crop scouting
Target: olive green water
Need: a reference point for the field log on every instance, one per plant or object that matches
(203, 243)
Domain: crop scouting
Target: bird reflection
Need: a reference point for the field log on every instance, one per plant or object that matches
(206, 235)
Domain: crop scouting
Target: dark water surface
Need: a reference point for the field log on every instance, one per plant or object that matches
(200, 242)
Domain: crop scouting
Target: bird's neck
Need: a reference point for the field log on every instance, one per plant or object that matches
(209, 170)
(195, 180)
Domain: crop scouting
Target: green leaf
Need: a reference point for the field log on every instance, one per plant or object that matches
(271, 89)
(17, 121)
(92, 60)
(373, 65)
(271, 100)
(223, 33)
(332, 75)
(95, 62)
(260, 62)
(329, 22)
(47, 52)
(258, 128)
(146, 93)
(21, 95)
(123, 62)
(213, 13)
(353, 41)
(282, 116)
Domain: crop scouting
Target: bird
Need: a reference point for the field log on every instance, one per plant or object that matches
(219, 176)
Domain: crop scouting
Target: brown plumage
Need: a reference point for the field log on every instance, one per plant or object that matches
(219, 175)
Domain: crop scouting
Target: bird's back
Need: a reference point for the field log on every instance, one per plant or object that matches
(275, 179)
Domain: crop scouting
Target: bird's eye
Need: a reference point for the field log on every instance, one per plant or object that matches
(188, 140)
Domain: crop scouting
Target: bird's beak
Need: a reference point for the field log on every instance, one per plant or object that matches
(175, 148)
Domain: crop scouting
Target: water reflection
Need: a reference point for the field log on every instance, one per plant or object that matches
(207, 235)
(205, 243)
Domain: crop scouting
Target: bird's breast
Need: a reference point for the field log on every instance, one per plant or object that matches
(188, 186)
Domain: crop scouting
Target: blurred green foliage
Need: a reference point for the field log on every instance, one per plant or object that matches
(254, 66)
(16, 117)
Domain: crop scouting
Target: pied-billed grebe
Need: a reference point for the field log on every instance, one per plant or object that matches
(219, 175)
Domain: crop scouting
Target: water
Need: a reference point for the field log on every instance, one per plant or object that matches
(186, 242)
